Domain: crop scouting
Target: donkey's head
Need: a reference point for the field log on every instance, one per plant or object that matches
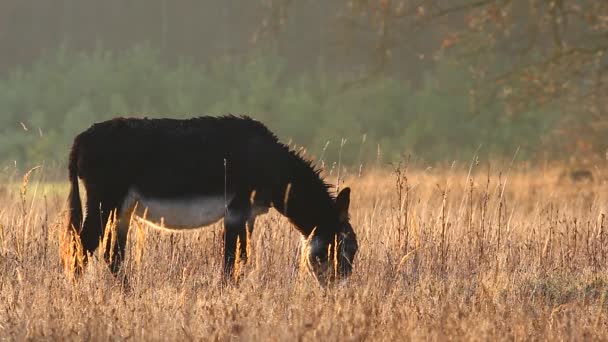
(331, 255)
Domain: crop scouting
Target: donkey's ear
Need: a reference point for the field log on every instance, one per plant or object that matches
(342, 203)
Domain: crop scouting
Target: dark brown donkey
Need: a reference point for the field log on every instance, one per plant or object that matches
(184, 174)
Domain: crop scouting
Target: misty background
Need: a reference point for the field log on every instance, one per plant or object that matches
(378, 79)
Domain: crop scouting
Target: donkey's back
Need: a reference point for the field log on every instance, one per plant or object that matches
(147, 140)
(187, 155)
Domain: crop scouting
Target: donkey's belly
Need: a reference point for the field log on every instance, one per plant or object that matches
(177, 213)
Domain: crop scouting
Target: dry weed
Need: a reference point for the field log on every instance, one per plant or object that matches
(471, 254)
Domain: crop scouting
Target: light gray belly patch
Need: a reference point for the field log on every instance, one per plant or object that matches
(176, 213)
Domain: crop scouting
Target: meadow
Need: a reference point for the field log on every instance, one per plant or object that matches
(463, 252)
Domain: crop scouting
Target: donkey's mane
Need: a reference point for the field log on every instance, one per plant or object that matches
(309, 172)
(303, 169)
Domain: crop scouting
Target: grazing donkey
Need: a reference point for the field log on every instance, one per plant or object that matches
(183, 174)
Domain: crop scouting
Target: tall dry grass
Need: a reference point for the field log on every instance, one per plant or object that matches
(444, 254)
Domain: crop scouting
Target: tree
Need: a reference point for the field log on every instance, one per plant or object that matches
(525, 53)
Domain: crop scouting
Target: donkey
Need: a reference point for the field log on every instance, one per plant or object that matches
(186, 174)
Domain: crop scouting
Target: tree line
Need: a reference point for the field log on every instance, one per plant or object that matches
(47, 104)
(434, 79)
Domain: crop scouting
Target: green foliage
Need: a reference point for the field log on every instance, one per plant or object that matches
(65, 92)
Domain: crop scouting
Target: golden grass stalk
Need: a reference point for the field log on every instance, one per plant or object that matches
(305, 266)
(237, 261)
(335, 256)
(108, 242)
(600, 308)
(71, 252)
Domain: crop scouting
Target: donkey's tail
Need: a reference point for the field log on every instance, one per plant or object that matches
(75, 210)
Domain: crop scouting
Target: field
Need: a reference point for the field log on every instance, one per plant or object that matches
(459, 253)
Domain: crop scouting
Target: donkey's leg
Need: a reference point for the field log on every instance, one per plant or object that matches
(235, 232)
(92, 228)
(115, 253)
(98, 213)
(115, 248)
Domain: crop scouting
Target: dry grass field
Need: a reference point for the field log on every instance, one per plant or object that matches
(445, 254)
